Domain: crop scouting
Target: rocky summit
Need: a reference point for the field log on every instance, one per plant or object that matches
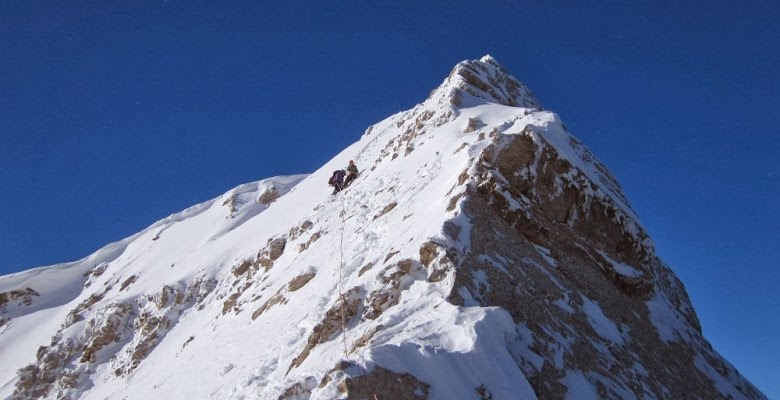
(482, 253)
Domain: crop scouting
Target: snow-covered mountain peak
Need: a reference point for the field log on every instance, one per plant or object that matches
(473, 82)
(483, 252)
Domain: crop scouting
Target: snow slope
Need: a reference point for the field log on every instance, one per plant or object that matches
(278, 289)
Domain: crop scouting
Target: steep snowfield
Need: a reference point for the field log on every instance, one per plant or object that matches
(59, 289)
(208, 240)
(245, 296)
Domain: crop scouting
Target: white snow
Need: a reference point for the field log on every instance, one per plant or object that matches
(545, 253)
(627, 270)
(578, 387)
(207, 349)
(621, 268)
(603, 326)
(724, 386)
(664, 318)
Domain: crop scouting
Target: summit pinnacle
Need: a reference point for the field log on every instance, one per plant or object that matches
(485, 80)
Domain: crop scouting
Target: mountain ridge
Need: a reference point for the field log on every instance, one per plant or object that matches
(480, 236)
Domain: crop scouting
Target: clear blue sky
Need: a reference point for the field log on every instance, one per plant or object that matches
(116, 114)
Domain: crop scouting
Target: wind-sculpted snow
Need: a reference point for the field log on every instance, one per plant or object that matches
(483, 252)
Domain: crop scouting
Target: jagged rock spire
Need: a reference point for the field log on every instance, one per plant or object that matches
(472, 82)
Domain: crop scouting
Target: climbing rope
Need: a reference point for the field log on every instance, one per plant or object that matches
(341, 291)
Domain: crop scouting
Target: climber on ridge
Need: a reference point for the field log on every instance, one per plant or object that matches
(337, 180)
(352, 173)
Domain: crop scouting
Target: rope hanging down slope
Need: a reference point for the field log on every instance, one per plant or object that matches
(341, 291)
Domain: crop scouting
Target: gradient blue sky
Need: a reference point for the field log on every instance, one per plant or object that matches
(116, 114)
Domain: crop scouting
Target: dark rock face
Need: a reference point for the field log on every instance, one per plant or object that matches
(389, 384)
(560, 208)
(357, 383)
(578, 282)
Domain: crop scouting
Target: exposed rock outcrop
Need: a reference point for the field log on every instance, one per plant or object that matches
(119, 334)
(572, 261)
